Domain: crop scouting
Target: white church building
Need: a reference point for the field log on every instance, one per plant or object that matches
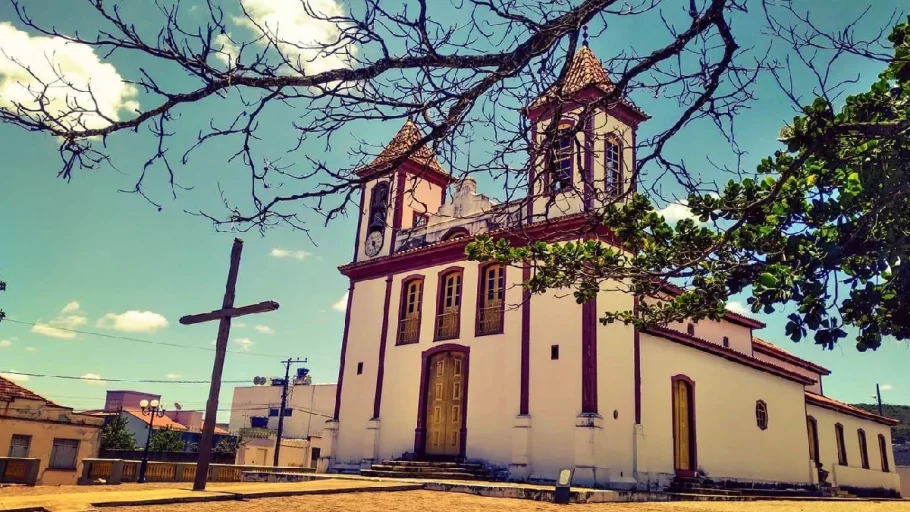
(448, 359)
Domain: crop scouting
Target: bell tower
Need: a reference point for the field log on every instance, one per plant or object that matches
(400, 197)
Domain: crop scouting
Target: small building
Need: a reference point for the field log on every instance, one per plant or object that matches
(32, 426)
(255, 411)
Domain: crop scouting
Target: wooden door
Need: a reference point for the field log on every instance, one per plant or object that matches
(683, 430)
(445, 396)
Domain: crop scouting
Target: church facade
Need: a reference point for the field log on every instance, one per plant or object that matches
(444, 358)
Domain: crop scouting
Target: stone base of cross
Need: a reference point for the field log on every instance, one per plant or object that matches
(223, 316)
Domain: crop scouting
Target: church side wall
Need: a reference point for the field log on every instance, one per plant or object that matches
(814, 388)
(362, 346)
(853, 474)
(729, 443)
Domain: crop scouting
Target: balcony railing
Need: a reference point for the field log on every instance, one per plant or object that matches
(409, 331)
(490, 319)
(447, 325)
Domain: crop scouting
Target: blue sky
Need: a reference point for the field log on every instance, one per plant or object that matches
(112, 253)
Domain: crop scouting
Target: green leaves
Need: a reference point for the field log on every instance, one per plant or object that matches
(116, 436)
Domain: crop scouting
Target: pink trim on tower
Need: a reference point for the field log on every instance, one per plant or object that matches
(587, 174)
(532, 173)
(636, 354)
(589, 356)
(344, 349)
(420, 432)
(383, 337)
(360, 215)
(525, 341)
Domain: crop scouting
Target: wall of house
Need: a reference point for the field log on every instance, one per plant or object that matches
(903, 472)
(729, 442)
(311, 406)
(740, 337)
(814, 388)
(44, 424)
(853, 474)
(261, 452)
(421, 196)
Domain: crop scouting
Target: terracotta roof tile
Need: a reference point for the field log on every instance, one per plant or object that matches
(404, 140)
(9, 391)
(166, 422)
(830, 403)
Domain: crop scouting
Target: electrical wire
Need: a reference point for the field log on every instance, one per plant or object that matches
(142, 381)
(148, 342)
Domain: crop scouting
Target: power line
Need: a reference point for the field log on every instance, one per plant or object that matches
(138, 340)
(139, 381)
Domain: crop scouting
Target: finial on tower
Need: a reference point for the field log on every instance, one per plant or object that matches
(584, 36)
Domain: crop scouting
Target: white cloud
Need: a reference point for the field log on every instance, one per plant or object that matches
(737, 307)
(15, 377)
(298, 34)
(133, 321)
(886, 387)
(238, 324)
(342, 305)
(5, 343)
(31, 349)
(227, 51)
(243, 344)
(284, 253)
(264, 329)
(71, 307)
(675, 212)
(173, 376)
(74, 75)
(93, 378)
(70, 317)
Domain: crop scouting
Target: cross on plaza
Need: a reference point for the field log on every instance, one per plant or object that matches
(223, 316)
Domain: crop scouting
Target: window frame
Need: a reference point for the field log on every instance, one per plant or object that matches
(440, 302)
(813, 440)
(612, 139)
(863, 448)
(28, 445)
(550, 173)
(418, 216)
(483, 292)
(403, 303)
(883, 451)
(690, 329)
(841, 444)
(52, 463)
(761, 413)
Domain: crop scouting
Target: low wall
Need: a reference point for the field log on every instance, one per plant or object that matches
(16, 470)
(217, 458)
(904, 473)
(857, 479)
(115, 471)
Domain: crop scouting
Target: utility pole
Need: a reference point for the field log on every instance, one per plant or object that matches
(284, 404)
(878, 395)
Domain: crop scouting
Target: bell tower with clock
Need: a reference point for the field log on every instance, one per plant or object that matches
(397, 198)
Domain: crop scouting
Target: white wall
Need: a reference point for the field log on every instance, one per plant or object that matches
(729, 442)
(814, 388)
(853, 474)
(311, 406)
(740, 337)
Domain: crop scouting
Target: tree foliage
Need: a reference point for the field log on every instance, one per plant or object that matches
(825, 227)
(166, 440)
(116, 436)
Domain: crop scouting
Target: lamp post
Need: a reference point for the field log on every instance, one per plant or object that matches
(151, 409)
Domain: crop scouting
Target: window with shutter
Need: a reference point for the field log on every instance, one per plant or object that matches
(63, 454)
(448, 318)
(491, 295)
(19, 445)
(409, 326)
(612, 167)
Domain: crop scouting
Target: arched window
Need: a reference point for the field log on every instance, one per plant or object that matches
(448, 310)
(841, 447)
(612, 166)
(411, 305)
(812, 428)
(690, 329)
(883, 449)
(863, 449)
(491, 299)
(761, 414)
(379, 204)
(455, 233)
(563, 158)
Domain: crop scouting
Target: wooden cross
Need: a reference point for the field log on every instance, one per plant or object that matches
(223, 316)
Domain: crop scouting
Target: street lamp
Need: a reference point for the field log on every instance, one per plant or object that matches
(151, 409)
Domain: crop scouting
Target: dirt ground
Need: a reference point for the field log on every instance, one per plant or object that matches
(44, 490)
(455, 502)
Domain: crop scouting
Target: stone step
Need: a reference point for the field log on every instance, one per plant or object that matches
(431, 464)
(704, 490)
(419, 470)
(435, 475)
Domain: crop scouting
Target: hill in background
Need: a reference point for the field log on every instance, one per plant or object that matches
(900, 434)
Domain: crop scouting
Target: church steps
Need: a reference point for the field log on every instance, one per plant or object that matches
(427, 470)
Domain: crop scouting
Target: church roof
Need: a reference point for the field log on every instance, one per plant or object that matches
(832, 404)
(585, 71)
(773, 350)
(406, 138)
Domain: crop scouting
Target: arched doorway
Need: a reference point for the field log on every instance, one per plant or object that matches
(442, 410)
(685, 453)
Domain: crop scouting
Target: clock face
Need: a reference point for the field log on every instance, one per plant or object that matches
(373, 243)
